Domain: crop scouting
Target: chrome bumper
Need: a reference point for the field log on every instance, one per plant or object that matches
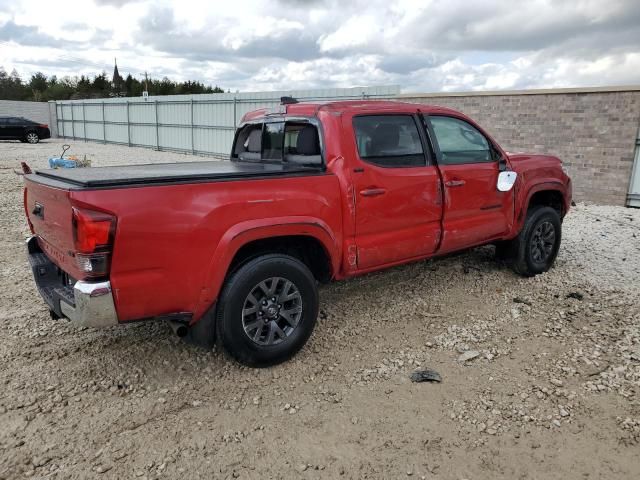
(86, 304)
(94, 305)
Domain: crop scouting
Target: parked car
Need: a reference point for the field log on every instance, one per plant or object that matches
(27, 131)
(233, 251)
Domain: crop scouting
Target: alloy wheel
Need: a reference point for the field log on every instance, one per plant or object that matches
(272, 311)
(543, 240)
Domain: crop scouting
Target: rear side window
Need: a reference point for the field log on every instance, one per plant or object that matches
(290, 142)
(460, 142)
(389, 140)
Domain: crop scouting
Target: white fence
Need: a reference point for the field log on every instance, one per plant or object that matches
(196, 124)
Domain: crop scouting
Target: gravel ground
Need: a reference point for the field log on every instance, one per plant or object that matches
(550, 388)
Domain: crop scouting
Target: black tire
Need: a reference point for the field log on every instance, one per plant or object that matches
(231, 319)
(32, 137)
(535, 249)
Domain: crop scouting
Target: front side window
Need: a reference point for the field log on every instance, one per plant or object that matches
(389, 140)
(460, 142)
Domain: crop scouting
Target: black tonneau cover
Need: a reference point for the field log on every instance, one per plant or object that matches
(100, 177)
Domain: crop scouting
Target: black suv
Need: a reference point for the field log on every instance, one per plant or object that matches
(18, 128)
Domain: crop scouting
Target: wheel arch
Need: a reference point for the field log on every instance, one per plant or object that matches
(308, 239)
(551, 194)
(306, 248)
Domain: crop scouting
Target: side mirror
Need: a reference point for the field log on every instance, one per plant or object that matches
(506, 180)
(502, 164)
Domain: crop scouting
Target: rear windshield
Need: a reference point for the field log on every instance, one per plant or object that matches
(278, 142)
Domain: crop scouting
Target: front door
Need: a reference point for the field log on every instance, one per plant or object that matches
(475, 210)
(397, 192)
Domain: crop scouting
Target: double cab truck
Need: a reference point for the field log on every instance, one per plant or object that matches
(232, 251)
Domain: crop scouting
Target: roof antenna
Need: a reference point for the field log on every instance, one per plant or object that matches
(287, 100)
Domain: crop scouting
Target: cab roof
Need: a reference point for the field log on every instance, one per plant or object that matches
(311, 109)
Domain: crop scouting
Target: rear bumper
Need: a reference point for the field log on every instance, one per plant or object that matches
(86, 304)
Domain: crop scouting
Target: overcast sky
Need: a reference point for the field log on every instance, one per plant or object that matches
(437, 45)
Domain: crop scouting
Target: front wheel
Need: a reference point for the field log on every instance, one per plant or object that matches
(32, 137)
(536, 247)
(267, 310)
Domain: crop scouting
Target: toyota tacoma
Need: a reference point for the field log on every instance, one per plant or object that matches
(232, 251)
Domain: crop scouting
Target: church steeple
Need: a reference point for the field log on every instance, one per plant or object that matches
(117, 82)
(117, 79)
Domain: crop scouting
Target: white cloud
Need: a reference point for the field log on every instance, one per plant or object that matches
(435, 45)
(357, 31)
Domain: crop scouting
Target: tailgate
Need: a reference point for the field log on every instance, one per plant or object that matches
(49, 211)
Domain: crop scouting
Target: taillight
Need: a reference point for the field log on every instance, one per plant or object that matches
(44, 125)
(93, 234)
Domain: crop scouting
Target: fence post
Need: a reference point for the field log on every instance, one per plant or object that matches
(104, 126)
(84, 123)
(235, 122)
(157, 127)
(62, 117)
(193, 150)
(73, 127)
(128, 126)
(53, 119)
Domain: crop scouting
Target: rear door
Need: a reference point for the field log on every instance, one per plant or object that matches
(397, 193)
(475, 210)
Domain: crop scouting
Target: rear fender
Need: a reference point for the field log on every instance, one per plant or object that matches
(245, 232)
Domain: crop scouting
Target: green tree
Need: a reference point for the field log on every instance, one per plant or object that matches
(41, 88)
(11, 86)
(100, 87)
(38, 85)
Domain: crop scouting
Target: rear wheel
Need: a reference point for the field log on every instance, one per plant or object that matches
(32, 137)
(535, 249)
(267, 310)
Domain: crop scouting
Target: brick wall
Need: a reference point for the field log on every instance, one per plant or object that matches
(592, 130)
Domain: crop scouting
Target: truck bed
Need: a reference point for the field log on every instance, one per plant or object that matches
(158, 173)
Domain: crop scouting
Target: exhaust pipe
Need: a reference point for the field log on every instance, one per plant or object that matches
(179, 328)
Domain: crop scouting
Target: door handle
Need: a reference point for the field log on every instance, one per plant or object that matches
(372, 192)
(455, 183)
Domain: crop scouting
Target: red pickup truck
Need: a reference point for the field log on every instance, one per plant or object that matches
(233, 251)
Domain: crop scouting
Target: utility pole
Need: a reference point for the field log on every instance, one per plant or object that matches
(145, 94)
